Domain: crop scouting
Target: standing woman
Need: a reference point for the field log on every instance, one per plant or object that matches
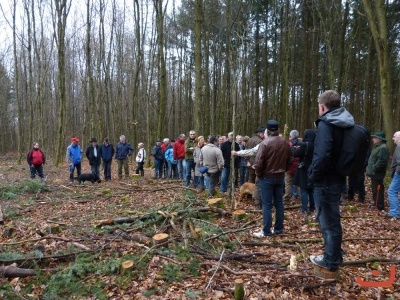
(36, 159)
(198, 177)
(140, 159)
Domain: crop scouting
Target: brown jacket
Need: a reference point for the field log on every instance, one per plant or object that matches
(273, 157)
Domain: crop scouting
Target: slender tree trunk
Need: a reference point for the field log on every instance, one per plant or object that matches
(198, 122)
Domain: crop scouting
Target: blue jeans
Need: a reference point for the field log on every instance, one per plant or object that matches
(244, 174)
(95, 170)
(199, 180)
(72, 167)
(181, 167)
(272, 194)
(158, 168)
(212, 179)
(107, 169)
(307, 200)
(327, 200)
(190, 165)
(172, 170)
(38, 169)
(393, 193)
(224, 179)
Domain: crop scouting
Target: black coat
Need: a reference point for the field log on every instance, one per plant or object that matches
(304, 151)
(93, 160)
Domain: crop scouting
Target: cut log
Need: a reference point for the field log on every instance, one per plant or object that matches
(1, 216)
(324, 273)
(12, 272)
(100, 223)
(239, 214)
(239, 290)
(160, 238)
(126, 267)
(216, 202)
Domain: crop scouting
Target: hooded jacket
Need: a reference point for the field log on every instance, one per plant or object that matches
(327, 146)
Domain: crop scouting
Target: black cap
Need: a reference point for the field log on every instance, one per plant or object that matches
(272, 125)
(260, 129)
(93, 140)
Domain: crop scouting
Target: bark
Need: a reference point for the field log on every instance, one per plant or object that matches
(12, 272)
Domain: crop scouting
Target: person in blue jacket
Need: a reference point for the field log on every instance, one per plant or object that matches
(122, 152)
(107, 153)
(74, 158)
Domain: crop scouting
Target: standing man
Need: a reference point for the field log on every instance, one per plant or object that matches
(290, 189)
(211, 158)
(327, 181)
(74, 158)
(226, 149)
(272, 161)
(158, 159)
(107, 153)
(36, 160)
(179, 154)
(394, 188)
(254, 141)
(122, 152)
(376, 168)
(93, 155)
(190, 144)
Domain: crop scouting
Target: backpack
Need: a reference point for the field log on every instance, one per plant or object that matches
(353, 150)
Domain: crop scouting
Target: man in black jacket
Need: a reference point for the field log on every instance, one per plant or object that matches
(327, 181)
(94, 157)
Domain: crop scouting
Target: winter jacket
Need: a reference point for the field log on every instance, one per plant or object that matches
(304, 151)
(327, 146)
(36, 157)
(107, 152)
(157, 153)
(251, 143)
(196, 157)
(94, 156)
(190, 144)
(226, 149)
(273, 157)
(169, 155)
(292, 170)
(123, 150)
(378, 161)
(141, 155)
(179, 149)
(74, 154)
(395, 166)
(211, 157)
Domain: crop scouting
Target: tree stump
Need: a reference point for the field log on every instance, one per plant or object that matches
(324, 273)
(126, 267)
(239, 215)
(239, 290)
(216, 202)
(160, 238)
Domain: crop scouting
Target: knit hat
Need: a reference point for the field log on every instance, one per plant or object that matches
(272, 125)
(75, 140)
(380, 135)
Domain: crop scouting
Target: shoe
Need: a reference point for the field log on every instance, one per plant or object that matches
(273, 231)
(319, 261)
(385, 215)
(259, 234)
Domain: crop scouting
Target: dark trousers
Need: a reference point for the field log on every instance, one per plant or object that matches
(140, 168)
(107, 170)
(357, 183)
(378, 191)
(252, 175)
(38, 169)
(213, 181)
(72, 168)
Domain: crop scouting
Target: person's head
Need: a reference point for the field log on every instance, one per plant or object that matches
(309, 135)
(192, 134)
(328, 100)
(172, 142)
(245, 139)
(272, 128)
(166, 141)
(239, 139)
(396, 137)
(261, 132)
(140, 145)
(200, 141)
(182, 136)
(230, 136)
(158, 143)
(35, 145)
(75, 141)
(93, 141)
(378, 137)
(122, 139)
(106, 141)
(222, 139)
(294, 134)
(213, 139)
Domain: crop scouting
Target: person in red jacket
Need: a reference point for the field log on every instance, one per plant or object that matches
(179, 154)
(36, 159)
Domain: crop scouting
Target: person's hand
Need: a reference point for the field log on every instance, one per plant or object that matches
(234, 153)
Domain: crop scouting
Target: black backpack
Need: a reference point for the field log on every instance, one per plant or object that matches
(353, 150)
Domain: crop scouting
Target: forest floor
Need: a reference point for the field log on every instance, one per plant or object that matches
(94, 241)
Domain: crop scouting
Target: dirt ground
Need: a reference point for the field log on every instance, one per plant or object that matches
(113, 222)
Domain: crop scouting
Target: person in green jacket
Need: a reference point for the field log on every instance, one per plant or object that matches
(376, 169)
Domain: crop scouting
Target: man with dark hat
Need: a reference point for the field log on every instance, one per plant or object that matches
(273, 159)
(376, 168)
(94, 157)
(254, 141)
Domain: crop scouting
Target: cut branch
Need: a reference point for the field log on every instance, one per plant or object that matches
(12, 272)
